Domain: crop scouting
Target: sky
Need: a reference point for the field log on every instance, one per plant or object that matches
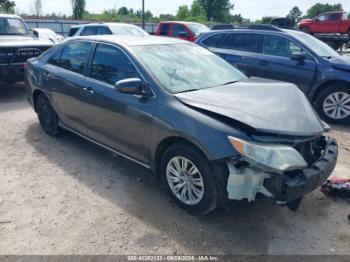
(252, 9)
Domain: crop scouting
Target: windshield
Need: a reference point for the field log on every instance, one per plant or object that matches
(197, 29)
(320, 48)
(346, 16)
(128, 30)
(186, 67)
(12, 26)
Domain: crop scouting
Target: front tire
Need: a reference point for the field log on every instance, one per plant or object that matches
(333, 105)
(47, 116)
(191, 182)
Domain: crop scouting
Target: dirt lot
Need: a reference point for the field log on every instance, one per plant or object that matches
(67, 196)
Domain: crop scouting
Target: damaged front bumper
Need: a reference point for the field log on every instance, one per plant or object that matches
(247, 181)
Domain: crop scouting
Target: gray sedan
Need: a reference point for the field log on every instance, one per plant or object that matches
(211, 133)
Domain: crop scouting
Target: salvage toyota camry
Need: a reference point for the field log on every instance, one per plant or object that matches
(211, 133)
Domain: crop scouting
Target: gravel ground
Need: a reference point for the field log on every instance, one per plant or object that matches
(67, 196)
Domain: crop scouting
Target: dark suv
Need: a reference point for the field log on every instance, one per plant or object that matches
(290, 56)
(174, 107)
(17, 44)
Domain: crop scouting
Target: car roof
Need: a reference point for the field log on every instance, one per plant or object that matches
(99, 24)
(278, 31)
(134, 40)
(179, 22)
(10, 16)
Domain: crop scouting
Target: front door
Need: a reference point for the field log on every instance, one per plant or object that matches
(120, 121)
(275, 62)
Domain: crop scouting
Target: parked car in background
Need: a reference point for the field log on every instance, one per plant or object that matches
(17, 44)
(45, 33)
(290, 56)
(184, 30)
(222, 27)
(332, 22)
(284, 22)
(106, 29)
(174, 107)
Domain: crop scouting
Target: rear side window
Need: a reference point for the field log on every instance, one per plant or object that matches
(164, 29)
(103, 30)
(74, 56)
(241, 42)
(110, 65)
(179, 30)
(279, 46)
(73, 31)
(215, 40)
(89, 30)
(334, 17)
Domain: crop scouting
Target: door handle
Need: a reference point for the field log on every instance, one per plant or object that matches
(46, 75)
(89, 90)
(263, 62)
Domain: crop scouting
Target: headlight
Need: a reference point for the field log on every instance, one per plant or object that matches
(277, 157)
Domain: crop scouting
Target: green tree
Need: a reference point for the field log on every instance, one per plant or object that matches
(7, 6)
(295, 12)
(265, 20)
(319, 8)
(167, 17)
(197, 12)
(236, 19)
(218, 10)
(78, 7)
(123, 11)
(182, 12)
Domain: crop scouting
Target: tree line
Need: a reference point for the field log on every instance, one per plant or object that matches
(203, 11)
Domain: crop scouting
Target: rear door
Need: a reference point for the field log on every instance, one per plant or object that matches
(64, 78)
(120, 121)
(239, 49)
(275, 62)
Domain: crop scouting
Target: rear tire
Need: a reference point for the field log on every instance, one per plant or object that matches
(208, 182)
(333, 104)
(47, 116)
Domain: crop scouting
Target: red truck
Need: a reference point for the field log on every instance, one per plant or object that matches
(185, 30)
(327, 23)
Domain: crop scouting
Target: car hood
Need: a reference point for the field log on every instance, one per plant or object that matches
(341, 63)
(264, 105)
(23, 41)
(305, 21)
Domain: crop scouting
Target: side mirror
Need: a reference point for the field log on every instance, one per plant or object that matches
(131, 86)
(298, 57)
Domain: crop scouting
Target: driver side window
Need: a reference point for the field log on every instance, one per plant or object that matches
(111, 65)
(179, 30)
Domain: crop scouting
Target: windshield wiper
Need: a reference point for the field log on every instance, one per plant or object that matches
(327, 57)
(229, 83)
(189, 90)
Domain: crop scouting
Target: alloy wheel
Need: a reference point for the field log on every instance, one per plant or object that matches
(337, 105)
(185, 180)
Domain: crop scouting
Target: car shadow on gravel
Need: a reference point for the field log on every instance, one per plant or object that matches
(12, 96)
(243, 229)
